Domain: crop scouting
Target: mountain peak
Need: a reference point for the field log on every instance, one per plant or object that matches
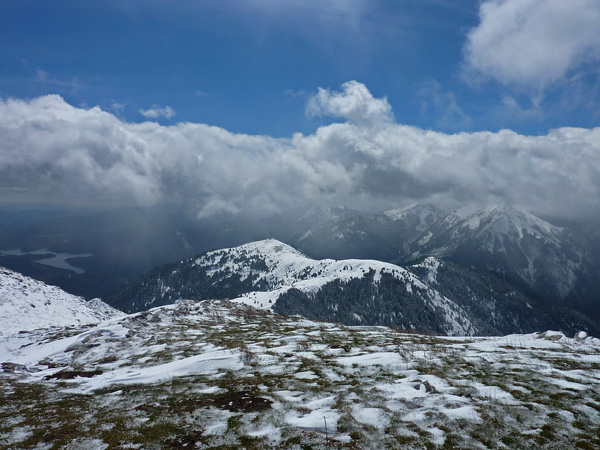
(264, 246)
(418, 215)
(509, 241)
(503, 220)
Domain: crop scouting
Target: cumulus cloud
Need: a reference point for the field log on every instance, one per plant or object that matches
(156, 112)
(355, 103)
(51, 147)
(534, 43)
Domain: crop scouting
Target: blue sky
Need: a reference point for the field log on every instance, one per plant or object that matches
(250, 66)
(237, 106)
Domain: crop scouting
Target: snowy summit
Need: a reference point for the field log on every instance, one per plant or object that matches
(27, 304)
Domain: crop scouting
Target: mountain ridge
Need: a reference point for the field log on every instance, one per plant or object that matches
(556, 265)
(273, 275)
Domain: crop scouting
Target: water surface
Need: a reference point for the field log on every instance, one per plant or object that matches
(59, 260)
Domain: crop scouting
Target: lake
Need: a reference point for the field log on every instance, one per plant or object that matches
(58, 260)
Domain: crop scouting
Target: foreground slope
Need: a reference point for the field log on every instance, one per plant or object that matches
(219, 375)
(273, 275)
(27, 304)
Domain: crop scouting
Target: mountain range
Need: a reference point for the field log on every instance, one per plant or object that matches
(555, 265)
(432, 296)
(551, 265)
(232, 373)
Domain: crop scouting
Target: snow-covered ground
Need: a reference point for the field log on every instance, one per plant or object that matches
(27, 304)
(225, 375)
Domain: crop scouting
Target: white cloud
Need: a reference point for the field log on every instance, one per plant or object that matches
(295, 94)
(50, 147)
(534, 43)
(355, 103)
(156, 112)
(42, 75)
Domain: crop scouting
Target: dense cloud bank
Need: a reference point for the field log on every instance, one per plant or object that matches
(48, 147)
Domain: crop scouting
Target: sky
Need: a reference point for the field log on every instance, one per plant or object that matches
(242, 106)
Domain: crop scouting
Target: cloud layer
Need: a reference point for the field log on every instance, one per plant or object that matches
(50, 148)
(534, 43)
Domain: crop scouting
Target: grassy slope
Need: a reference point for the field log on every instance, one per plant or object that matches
(270, 382)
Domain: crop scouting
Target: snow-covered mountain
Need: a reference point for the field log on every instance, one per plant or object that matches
(383, 236)
(514, 243)
(316, 215)
(495, 305)
(556, 265)
(494, 228)
(274, 275)
(270, 274)
(27, 304)
(417, 217)
(352, 236)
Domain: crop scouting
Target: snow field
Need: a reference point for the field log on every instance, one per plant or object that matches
(224, 375)
(27, 304)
